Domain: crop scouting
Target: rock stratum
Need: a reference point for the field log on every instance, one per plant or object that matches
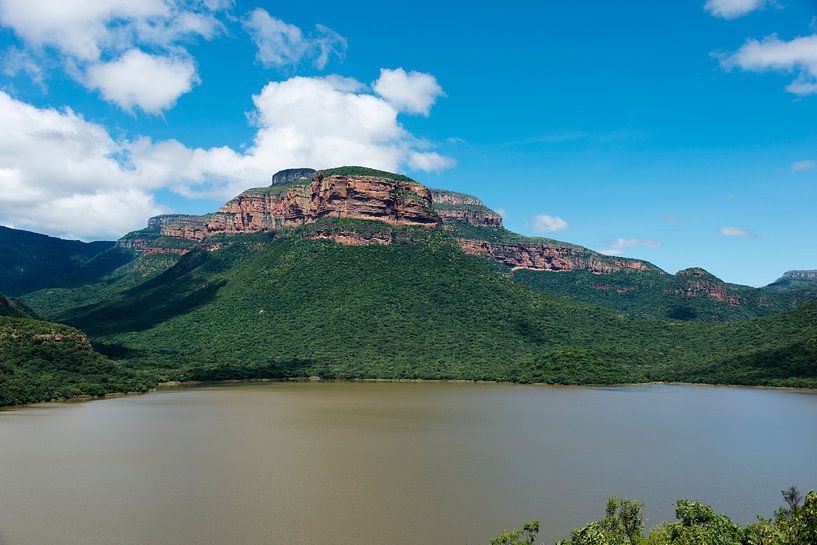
(810, 275)
(299, 197)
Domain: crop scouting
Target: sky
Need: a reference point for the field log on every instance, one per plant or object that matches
(683, 133)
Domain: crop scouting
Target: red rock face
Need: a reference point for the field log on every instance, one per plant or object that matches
(459, 207)
(700, 283)
(355, 197)
(478, 218)
(539, 257)
(712, 290)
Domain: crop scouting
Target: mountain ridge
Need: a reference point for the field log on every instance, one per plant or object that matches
(362, 193)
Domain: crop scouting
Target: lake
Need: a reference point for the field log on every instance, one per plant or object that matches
(389, 463)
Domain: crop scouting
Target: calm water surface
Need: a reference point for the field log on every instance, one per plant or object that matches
(380, 464)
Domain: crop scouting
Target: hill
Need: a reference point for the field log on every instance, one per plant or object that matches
(31, 261)
(15, 309)
(297, 304)
(42, 361)
(690, 294)
(795, 281)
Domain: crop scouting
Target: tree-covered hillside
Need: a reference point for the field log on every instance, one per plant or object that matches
(655, 294)
(15, 309)
(42, 361)
(288, 305)
(31, 261)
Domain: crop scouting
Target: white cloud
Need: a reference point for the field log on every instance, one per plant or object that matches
(316, 122)
(83, 29)
(730, 9)
(59, 173)
(797, 55)
(62, 174)
(410, 92)
(137, 80)
(281, 44)
(90, 34)
(543, 223)
(735, 232)
(800, 166)
(616, 247)
(429, 161)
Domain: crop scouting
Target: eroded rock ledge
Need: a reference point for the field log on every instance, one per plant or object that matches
(295, 200)
(542, 257)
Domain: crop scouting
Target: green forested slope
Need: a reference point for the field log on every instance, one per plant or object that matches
(415, 309)
(31, 261)
(41, 361)
(15, 309)
(654, 294)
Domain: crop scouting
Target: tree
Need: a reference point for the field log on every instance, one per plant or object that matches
(525, 536)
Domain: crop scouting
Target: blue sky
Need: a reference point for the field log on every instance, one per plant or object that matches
(684, 133)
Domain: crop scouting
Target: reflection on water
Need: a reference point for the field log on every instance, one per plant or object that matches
(384, 463)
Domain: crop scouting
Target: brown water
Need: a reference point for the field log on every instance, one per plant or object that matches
(366, 464)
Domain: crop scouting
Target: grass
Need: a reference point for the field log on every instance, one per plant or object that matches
(365, 171)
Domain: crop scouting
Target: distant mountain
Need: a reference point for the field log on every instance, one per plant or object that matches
(795, 282)
(31, 261)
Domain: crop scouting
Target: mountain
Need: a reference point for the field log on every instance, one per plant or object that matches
(31, 261)
(299, 197)
(795, 281)
(355, 273)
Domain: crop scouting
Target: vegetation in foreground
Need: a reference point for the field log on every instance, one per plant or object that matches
(697, 524)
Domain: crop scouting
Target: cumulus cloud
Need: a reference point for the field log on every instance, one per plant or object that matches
(735, 232)
(281, 44)
(60, 173)
(410, 92)
(730, 9)
(65, 175)
(138, 80)
(798, 55)
(544, 223)
(99, 40)
(617, 246)
(85, 29)
(800, 166)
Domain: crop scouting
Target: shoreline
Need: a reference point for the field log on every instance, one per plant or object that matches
(179, 384)
(191, 383)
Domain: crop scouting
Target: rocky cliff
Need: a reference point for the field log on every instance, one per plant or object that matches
(293, 204)
(545, 257)
(364, 194)
(701, 283)
(801, 275)
(290, 175)
(459, 207)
